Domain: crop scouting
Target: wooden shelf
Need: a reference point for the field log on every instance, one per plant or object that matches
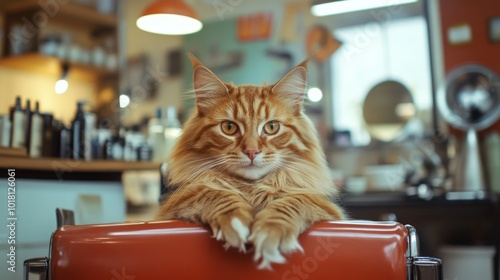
(13, 152)
(75, 12)
(68, 165)
(49, 65)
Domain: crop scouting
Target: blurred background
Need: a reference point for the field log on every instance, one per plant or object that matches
(404, 95)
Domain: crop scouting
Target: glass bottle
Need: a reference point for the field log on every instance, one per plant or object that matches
(17, 135)
(36, 133)
(77, 146)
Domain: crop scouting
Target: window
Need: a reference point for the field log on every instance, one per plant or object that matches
(372, 53)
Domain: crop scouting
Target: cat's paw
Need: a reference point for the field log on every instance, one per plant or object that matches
(271, 240)
(234, 229)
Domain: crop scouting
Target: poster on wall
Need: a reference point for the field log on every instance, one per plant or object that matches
(254, 27)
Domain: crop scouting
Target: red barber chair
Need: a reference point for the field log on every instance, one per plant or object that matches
(345, 250)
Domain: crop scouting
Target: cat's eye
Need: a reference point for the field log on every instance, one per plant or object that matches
(229, 127)
(271, 127)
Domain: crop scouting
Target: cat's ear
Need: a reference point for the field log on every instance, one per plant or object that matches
(207, 86)
(292, 87)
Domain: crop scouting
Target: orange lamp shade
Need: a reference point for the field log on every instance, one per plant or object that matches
(169, 17)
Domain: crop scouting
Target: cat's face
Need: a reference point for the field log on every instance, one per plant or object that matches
(251, 132)
(248, 131)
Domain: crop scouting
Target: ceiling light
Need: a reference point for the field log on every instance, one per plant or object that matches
(124, 101)
(314, 94)
(61, 85)
(346, 6)
(169, 17)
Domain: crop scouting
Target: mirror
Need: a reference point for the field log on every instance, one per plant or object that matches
(387, 108)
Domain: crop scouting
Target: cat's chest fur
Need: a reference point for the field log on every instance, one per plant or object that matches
(259, 193)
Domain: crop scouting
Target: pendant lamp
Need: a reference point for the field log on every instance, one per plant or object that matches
(169, 17)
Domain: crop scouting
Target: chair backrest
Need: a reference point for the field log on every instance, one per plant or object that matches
(180, 250)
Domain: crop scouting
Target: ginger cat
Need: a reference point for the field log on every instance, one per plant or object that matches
(249, 164)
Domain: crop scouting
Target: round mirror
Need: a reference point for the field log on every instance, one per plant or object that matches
(387, 108)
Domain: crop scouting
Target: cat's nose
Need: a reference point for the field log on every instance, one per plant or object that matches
(251, 153)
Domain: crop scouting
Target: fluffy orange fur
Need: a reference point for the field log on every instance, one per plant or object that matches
(249, 164)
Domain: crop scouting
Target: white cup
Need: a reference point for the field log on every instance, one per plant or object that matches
(355, 184)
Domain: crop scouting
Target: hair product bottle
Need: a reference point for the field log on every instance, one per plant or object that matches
(17, 135)
(77, 142)
(36, 133)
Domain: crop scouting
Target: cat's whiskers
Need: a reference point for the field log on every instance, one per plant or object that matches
(293, 159)
(191, 180)
(199, 169)
(296, 159)
(272, 163)
(306, 171)
(271, 166)
(304, 188)
(195, 164)
(311, 170)
(234, 159)
(204, 158)
(290, 166)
